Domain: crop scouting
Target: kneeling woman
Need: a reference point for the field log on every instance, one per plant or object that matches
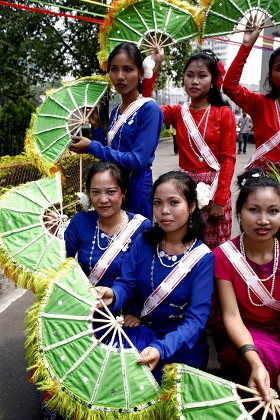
(248, 284)
(172, 270)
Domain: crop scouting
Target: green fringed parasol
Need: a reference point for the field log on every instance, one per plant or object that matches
(193, 394)
(63, 114)
(86, 377)
(28, 251)
(147, 23)
(223, 17)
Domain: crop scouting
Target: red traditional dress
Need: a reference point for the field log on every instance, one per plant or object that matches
(262, 110)
(262, 321)
(220, 136)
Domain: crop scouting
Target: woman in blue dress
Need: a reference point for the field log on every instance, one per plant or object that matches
(134, 129)
(173, 271)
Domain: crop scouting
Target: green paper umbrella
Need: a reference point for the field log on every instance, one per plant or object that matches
(225, 16)
(85, 375)
(63, 114)
(28, 251)
(194, 394)
(146, 23)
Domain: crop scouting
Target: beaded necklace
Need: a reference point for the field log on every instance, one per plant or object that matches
(161, 254)
(277, 106)
(205, 115)
(275, 266)
(110, 239)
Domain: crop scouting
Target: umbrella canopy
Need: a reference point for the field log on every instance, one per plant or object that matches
(223, 17)
(193, 394)
(28, 251)
(86, 377)
(63, 114)
(146, 23)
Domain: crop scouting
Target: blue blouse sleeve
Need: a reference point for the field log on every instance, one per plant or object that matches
(98, 135)
(72, 237)
(197, 313)
(149, 121)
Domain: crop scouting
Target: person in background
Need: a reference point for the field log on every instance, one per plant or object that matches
(249, 352)
(172, 327)
(264, 110)
(245, 126)
(134, 129)
(205, 136)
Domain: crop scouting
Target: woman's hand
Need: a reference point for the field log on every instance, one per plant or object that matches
(252, 32)
(259, 380)
(93, 117)
(106, 294)
(80, 144)
(157, 55)
(216, 210)
(150, 357)
(51, 221)
(131, 321)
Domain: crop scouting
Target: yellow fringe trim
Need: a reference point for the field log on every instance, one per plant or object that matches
(169, 392)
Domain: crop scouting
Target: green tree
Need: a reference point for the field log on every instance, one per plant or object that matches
(14, 120)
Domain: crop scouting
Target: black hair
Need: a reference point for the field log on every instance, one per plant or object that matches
(187, 188)
(211, 61)
(115, 170)
(268, 83)
(133, 53)
(248, 182)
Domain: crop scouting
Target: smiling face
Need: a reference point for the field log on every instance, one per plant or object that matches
(171, 209)
(197, 79)
(260, 214)
(124, 74)
(105, 194)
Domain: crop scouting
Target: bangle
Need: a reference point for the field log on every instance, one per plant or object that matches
(245, 348)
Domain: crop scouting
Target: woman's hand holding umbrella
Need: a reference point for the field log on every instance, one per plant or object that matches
(259, 380)
(150, 357)
(252, 32)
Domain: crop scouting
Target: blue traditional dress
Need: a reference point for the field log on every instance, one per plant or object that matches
(79, 237)
(176, 326)
(133, 147)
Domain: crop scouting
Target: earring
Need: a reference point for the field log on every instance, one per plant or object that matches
(211, 86)
(190, 221)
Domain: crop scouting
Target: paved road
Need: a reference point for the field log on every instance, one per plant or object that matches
(17, 396)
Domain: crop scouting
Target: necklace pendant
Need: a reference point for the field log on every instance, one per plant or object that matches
(174, 258)
(161, 254)
(200, 159)
(103, 235)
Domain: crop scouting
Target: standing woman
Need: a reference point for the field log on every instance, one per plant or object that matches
(247, 275)
(172, 269)
(135, 126)
(206, 137)
(264, 110)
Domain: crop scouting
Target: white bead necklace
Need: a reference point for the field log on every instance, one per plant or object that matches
(205, 115)
(275, 266)
(169, 257)
(110, 239)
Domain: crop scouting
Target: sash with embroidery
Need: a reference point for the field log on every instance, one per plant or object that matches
(130, 110)
(113, 250)
(179, 272)
(249, 276)
(264, 148)
(202, 147)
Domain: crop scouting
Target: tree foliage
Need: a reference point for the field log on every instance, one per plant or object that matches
(14, 120)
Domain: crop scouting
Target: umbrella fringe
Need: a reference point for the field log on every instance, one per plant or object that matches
(169, 382)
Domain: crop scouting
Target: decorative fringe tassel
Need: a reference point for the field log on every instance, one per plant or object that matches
(169, 392)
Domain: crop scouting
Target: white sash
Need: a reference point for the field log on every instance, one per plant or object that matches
(130, 110)
(249, 275)
(264, 148)
(113, 250)
(202, 147)
(179, 272)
